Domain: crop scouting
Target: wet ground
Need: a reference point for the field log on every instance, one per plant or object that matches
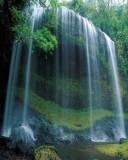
(8, 153)
(74, 151)
(81, 152)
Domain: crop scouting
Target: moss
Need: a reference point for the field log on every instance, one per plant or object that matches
(67, 86)
(46, 153)
(114, 150)
(73, 119)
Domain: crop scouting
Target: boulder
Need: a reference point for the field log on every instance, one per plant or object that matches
(46, 153)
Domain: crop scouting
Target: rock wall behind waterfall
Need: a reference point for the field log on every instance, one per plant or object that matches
(65, 72)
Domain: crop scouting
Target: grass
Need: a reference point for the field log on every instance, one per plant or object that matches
(114, 150)
(74, 119)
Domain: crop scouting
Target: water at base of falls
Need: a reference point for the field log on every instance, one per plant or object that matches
(23, 133)
(81, 54)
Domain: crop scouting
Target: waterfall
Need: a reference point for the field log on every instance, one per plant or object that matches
(9, 106)
(85, 54)
(116, 87)
(91, 36)
(34, 20)
(9, 117)
(93, 45)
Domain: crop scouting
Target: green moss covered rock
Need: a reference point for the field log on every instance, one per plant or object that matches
(114, 150)
(46, 153)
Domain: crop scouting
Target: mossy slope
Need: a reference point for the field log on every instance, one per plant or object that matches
(73, 119)
(114, 150)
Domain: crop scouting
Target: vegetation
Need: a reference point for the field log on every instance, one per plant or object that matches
(112, 19)
(45, 40)
(73, 119)
(1, 3)
(67, 86)
(46, 153)
(44, 37)
(20, 27)
(114, 150)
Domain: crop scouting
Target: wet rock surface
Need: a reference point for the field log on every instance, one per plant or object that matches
(8, 153)
(45, 132)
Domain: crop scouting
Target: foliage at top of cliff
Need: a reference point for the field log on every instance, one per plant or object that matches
(112, 19)
(20, 27)
(1, 3)
(44, 38)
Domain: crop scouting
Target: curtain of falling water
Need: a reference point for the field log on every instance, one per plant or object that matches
(89, 77)
(64, 52)
(94, 77)
(86, 30)
(116, 87)
(28, 67)
(72, 26)
(63, 68)
(34, 20)
(9, 106)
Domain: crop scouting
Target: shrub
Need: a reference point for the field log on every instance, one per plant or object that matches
(45, 40)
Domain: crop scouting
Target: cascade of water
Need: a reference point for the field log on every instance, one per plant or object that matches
(91, 37)
(73, 25)
(34, 19)
(116, 87)
(65, 46)
(14, 68)
(89, 80)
